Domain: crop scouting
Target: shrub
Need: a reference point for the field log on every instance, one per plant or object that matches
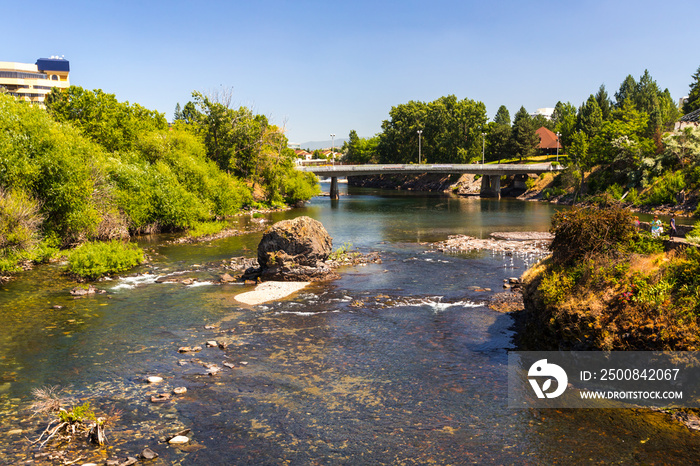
(665, 189)
(54, 163)
(585, 232)
(201, 229)
(95, 259)
(20, 221)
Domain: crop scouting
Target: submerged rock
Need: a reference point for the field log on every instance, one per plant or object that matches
(148, 454)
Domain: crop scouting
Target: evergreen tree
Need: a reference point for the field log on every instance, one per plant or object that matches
(604, 102)
(590, 117)
(628, 88)
(177, 115)
(646, 96)
(524, 137)
(499, 135)
(502, 116)
(693, 102)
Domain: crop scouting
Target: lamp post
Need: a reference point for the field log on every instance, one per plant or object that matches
(420, 131)
(483, 147)
(333, 147)
(558, 134)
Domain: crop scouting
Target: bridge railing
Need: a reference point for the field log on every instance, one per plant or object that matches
(487, 169)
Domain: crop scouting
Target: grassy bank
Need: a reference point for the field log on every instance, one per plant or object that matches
(611, 286)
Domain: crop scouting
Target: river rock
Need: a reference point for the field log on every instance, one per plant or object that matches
(148, 454)
(180, 390)
(154, 379)
(179, 440)
(303, 241)
(78, 291)
(294, 250)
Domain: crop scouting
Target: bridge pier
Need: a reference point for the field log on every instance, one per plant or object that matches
(335, 195)
(491, 186)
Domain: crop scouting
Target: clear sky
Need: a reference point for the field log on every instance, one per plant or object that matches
(322, 67)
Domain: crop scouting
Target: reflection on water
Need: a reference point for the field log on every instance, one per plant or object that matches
(395, 363)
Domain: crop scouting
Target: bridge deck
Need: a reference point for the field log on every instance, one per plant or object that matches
(475, 169)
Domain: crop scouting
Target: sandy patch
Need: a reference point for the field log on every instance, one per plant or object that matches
(269, 291)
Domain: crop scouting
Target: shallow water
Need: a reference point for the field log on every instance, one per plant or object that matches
(395, 363)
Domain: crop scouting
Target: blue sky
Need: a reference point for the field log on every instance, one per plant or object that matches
(322, 67)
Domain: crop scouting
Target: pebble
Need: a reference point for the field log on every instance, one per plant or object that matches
(180, 390)
(148, 454)
(160, 398)
(179, 440)
(212, 344)
(187, 349)
(155, 379)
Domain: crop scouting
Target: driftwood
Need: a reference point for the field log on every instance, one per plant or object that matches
(80, 420)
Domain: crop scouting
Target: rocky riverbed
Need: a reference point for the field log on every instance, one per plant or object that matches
(509, 242)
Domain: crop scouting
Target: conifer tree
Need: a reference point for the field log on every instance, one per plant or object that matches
(524, 137)
(693, 102)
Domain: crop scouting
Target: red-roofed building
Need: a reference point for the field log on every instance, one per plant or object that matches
(548, 141)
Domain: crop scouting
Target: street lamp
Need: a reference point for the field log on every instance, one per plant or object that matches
(333, 147)
(558, 134)
(420, 131)
(483, 147)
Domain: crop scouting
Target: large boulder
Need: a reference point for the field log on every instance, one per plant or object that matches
(295, 250)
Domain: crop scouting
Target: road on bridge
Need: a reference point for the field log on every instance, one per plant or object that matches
(491, 183)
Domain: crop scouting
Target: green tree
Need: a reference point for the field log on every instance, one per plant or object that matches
(590, 117)
(604, 102)
(177, 115)
(564, 118)
(114, 125)
(398, 141)
(451, 131)
(524, 138)
(627, 92)
(693, 102)
(190, 114)
(502, 116)
(499, 136)
(360, 150)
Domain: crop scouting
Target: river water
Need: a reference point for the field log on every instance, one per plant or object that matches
(395, 363)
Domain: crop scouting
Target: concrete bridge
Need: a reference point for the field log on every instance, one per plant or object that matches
(490, 181)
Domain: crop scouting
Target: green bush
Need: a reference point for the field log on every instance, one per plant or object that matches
(53, 162)
(95, 259)
(665, 189)
(201, 229)
(615, 190)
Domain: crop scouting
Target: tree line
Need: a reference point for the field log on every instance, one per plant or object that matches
(90, 167)
(627, 139)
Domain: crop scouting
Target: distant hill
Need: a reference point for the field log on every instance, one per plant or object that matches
(313, 145)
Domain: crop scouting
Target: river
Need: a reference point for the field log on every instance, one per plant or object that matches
(395, 363)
